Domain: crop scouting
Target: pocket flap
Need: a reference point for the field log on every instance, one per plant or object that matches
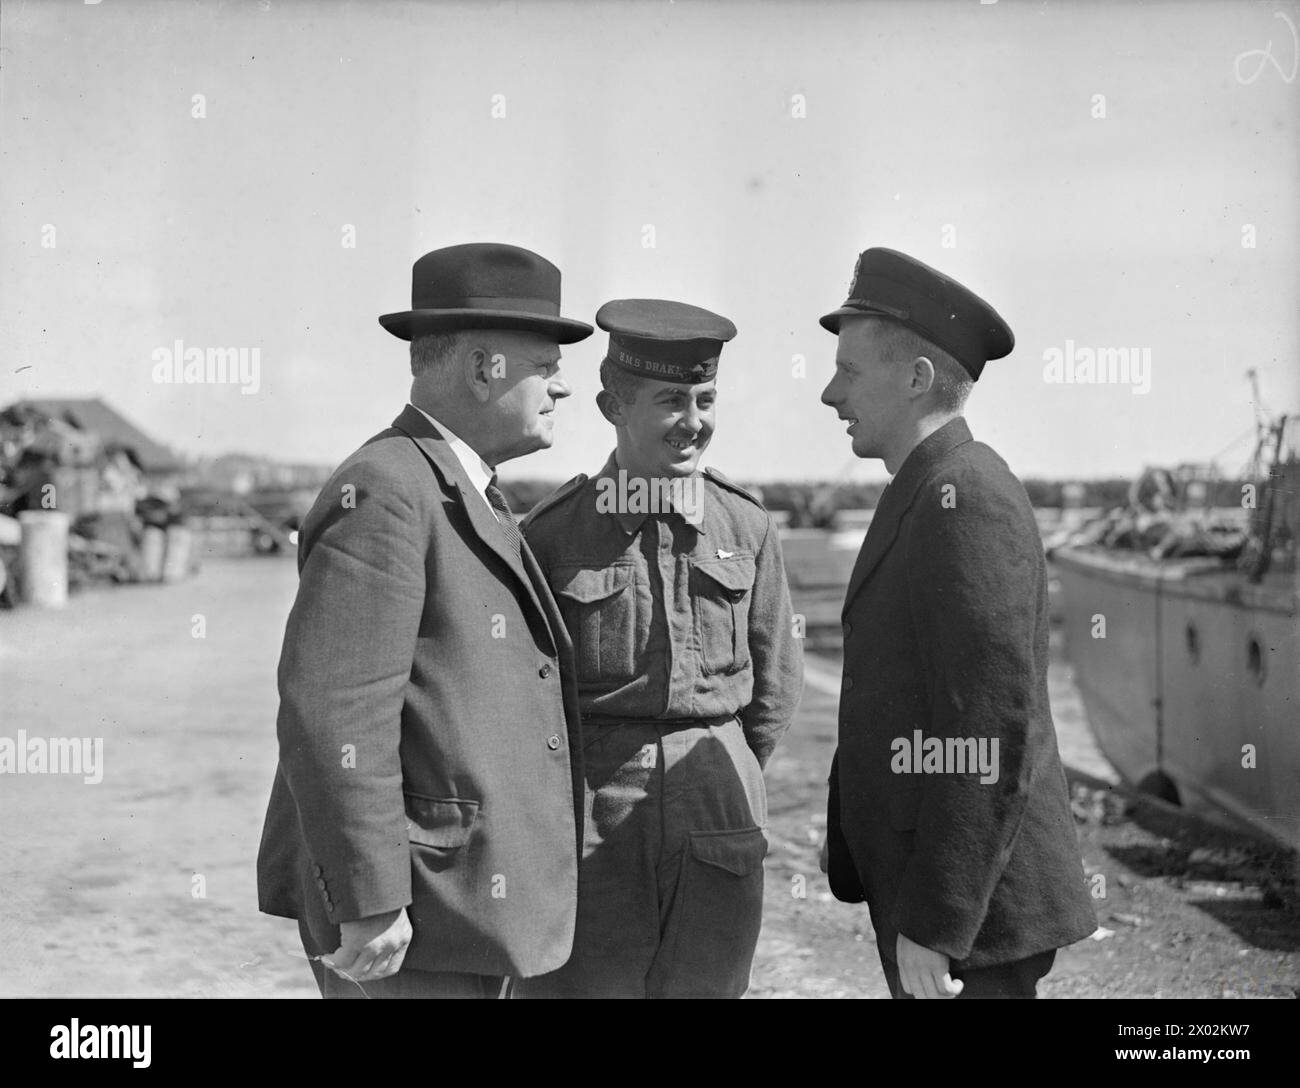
(738, 852)
(445, 822)
(584, 585)
(736, 574)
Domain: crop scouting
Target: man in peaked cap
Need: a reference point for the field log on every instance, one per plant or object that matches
(948, 808)
(672, 586)
(426, 816)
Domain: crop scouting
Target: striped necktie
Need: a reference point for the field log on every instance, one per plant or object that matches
(507, 520)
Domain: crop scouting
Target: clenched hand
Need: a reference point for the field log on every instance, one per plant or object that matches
(372, 948)
(923, 973)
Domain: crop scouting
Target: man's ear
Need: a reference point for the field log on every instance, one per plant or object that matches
(921, 379)
(610, 407)
(478, 373)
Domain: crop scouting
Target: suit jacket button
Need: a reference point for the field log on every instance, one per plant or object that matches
(317, 870)
(544, 671)
(552, 742)
(320, 882)
(848, 683)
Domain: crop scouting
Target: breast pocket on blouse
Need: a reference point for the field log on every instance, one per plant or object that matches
(599, 607)
(722, 590)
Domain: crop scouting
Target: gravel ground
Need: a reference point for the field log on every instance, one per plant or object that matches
(143, 884)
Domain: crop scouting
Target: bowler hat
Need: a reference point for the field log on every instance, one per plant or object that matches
(485, 285)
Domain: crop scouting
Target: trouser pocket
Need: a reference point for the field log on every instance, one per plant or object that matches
(712, 927)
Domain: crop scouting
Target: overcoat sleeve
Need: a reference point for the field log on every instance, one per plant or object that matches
(974, 568)
(841, 873)
(348, 649)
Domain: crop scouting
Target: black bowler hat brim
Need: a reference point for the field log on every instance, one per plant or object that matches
(408, 323)
(485, 285)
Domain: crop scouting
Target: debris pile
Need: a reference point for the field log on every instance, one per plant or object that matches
(85, 508)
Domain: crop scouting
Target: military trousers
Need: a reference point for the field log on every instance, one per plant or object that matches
(670, 886)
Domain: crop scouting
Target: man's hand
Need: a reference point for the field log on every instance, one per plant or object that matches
(923, 973)
(372, 948)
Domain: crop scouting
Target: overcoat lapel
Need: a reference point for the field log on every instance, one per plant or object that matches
(897, 499)
(484, 522)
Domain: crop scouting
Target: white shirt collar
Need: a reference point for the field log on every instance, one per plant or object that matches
(479, 471)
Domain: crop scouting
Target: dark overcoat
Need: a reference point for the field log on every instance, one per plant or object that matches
(946, 633)
(428, 723)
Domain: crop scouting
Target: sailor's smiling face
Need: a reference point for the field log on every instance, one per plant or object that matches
(663, 431)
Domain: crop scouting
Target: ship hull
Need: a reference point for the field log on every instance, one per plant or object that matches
(1190, 678)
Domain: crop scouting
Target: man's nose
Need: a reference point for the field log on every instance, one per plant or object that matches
(691, 420)
(827, 397)
(558, 388)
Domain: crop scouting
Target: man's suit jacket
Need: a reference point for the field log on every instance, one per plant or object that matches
(429, 731)
(946, 632)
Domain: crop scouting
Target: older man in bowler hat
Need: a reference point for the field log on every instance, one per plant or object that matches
(425, 820)
(948, 809)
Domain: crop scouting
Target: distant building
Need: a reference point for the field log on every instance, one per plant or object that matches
(243, 473)
(91, 415)
(79, 456)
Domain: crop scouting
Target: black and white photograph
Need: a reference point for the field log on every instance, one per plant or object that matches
(650, 499)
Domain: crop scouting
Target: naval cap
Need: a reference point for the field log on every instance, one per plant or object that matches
(665, 340)
(890, 284)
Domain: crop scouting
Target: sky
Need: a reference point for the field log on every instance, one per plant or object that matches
(1107, 175)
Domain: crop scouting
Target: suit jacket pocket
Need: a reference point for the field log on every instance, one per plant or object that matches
(443, 823)
(599, 607)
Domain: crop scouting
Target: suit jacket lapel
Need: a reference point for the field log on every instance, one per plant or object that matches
(897, 498)
(550, 610)
(481, 518)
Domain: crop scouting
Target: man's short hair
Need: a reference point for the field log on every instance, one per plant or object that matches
(952, 382)
(433, 349)
(616, 380)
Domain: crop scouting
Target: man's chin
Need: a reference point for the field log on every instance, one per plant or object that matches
(688, 466)
(679, 468)
(528, 444)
